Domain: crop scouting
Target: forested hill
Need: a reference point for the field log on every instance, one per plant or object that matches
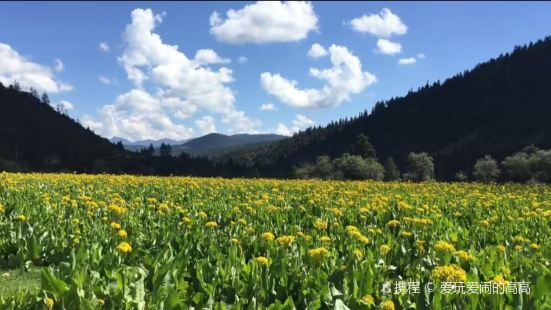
(36, 137)
(496, 108)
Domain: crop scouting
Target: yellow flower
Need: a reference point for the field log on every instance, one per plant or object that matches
(501, 248)
(285, 240)
(519, 248)
(116, 225)
(325, 239)
(393, 224)
(234, 241)
(358, 254)
(2, 208)
(388, 305)
(268, 236)
(534, 247)
(163, 208)
(211, 224)
(485, 222)
(336, 211)
(363, 239)
(449, 273)
(116, 209)
(318, 253)
(242, 221)
(186, 220)
(122, 233)
(202, 215)
(21, 218)
(464, 255)
(124, 247)
(406, 234)
(261, 260)
(49, 302)
(320, 225)
(368, 300)
(499, 280)
(420, 244)
(385, 249)
(304, 236)
(518, 239)
(444, 246)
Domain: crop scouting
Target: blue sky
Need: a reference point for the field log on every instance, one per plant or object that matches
(151, 89)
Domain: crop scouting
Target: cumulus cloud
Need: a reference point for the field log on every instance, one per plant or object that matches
(206, 125)
(388, 47)
(14, 67)
(383, 25)
(267, 107)
(242, 59)
(317, 51)
(183, 87)
(343, 79)
(421, 56)
(208, 56)
(137, 115)
(58, 67)
(407, 61)
(265, 22)
(300, 122)
(104, 47)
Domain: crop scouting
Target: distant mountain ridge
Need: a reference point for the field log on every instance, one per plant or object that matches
(207, 145)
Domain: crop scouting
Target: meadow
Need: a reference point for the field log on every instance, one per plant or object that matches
(127, 242)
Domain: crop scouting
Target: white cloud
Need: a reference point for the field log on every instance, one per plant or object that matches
(383, 25)
(137, 115)
(317, 51)
(240, 122)
(104, 47)
(66, 105)
(14, 67)
(407, 61)
(264, 22)
(107, 81)
(206, 125)
(242, 59)
(183, 87)
(421, 56)
(342, 80)
(267, 107)
(388, 47)
(208, 56)
(283, 130)
(58, 67)
(300, 122)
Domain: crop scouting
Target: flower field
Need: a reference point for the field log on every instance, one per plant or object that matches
(126, 242)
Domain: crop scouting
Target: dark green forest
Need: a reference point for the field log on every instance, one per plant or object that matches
(497, 108)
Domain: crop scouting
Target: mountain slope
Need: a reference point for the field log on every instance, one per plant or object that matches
(215, 143)
(496, 108)
(33, 136)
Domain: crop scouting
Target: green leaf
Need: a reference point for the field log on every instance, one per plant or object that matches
(52, 284)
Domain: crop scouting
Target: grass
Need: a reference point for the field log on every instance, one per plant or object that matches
(14, 280)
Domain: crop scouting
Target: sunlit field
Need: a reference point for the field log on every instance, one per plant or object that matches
(126, 242)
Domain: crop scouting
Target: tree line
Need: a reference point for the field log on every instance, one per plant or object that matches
(531, 164)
